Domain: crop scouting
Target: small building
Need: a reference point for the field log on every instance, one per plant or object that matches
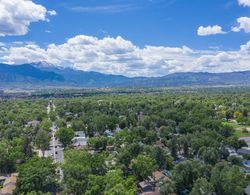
(79, 134)
(33, 123)
(79, 140)
(108, 133)
(146, 187)
(158, 176)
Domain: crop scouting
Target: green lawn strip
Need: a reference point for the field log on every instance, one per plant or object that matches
(238, 129)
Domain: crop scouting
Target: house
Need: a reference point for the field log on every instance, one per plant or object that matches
(79, 134)
(33, 123)
(158, 176)
(79, 140)
(146, 187)
(9, 185)
(108, 133)
(232, 152)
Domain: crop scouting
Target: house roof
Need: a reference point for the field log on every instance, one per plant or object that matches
(2, 178)
(10, 180)
(150, 193)
(110, 147)
(144, 184)
(34, 122)
(79, 141)
(79, 134)
(8, 190)
(158, 175)
(247, 190)
(9, 185)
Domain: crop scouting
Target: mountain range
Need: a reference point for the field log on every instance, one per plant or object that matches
(44, 75)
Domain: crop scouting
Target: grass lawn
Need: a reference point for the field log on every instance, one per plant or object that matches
(238, 129)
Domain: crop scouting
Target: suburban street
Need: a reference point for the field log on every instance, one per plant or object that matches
(56, 150)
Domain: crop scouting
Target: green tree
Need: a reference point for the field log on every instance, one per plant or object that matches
(235, 160)
(37, 174)
(42, 141)
(228, 180)
(65, 135)
(167, 188)
(151, 137)
(11, 152)
(172, 144)
(45, 125)
(166, 131)
(96, 184)
(209, 155)
(202, 187)
(98, 142)
(162, 158)
(116, 184)
(143, 166)
(76, 169)
(186, 173)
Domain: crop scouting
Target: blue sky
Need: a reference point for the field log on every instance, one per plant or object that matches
(169, 27)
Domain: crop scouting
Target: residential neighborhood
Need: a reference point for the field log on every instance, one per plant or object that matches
(130, 144)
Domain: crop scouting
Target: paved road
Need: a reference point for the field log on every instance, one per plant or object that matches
(247, 140)
(56, 146)
(56, 149)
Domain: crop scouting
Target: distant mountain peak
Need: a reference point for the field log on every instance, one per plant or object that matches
(44, 73)
(26, 73)
(43, 64)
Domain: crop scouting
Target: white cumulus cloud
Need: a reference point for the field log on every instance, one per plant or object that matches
(52, 13)
(119, 56)
(17, 15)
(210, 30)
(245, 3)
(243, 24)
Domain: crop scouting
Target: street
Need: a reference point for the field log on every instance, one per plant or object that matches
(56, 150)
